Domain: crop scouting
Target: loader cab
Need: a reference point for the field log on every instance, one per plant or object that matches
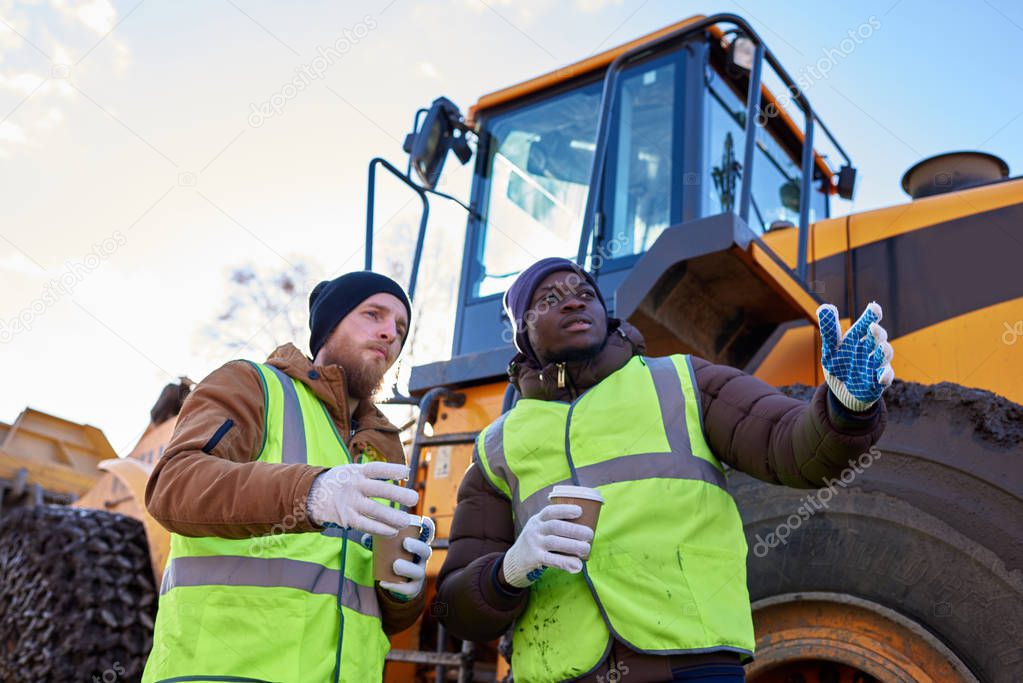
(673, 148)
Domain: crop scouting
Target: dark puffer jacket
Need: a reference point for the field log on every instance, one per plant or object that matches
(749, 425)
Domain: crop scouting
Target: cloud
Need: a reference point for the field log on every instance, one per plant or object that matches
(429, 70)
(526, 11)
(515, 11)
(52, 118)
(21, 83)
(37, 93)
(99, 15)
(12, 134)
(16, 262)
(595, 5)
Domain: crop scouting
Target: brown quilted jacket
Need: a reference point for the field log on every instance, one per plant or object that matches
(749, 425)
(208, 484)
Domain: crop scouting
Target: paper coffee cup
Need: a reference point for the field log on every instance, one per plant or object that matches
(588, 499)
(388, 549)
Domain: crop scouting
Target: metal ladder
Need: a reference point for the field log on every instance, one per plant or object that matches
(439, 657)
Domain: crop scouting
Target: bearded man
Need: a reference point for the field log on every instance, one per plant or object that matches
(268, 489)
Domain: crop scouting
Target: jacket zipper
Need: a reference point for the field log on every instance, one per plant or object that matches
(561, 375)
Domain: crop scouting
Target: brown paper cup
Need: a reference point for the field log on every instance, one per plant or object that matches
(388, 549)
(588, 499)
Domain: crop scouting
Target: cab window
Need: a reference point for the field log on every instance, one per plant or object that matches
(776, 172)
(539, 164)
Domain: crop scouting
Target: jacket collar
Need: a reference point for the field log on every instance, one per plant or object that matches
(373, 431)
(566, 381)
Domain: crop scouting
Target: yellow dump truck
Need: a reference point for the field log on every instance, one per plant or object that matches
(701, 196)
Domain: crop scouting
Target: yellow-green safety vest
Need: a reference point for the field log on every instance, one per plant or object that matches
(667, 568)
(280, 607)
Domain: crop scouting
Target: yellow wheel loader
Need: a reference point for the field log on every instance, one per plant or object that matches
(689, 171)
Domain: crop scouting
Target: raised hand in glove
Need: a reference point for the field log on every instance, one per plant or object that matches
(343, 495)
(415, 570)
(547, 540)
(858, 364)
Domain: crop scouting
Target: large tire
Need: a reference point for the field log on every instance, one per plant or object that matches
(77, 599)
(928, 528)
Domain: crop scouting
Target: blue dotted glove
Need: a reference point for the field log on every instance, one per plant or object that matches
(857, 365)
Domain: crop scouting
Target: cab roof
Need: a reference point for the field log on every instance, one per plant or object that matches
(600, 61)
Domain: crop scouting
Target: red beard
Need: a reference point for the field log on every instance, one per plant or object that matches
(364, 377)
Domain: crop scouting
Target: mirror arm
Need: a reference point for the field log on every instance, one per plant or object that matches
(370, 201)
(424, 218)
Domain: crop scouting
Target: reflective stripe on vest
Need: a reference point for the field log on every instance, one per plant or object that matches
(223, 600)
(634, 467)
(662, 588)
(293, 449)
(267, 573)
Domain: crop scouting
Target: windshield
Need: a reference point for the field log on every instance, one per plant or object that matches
(539, 170)
(539, 158)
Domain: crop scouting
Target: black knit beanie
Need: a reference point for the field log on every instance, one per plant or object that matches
(331, 300)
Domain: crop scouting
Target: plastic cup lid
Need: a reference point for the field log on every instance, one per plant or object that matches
(582, 492)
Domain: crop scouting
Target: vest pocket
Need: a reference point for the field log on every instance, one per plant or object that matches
(236, 633)
(561, 634)
(718, 581)
(648, 598)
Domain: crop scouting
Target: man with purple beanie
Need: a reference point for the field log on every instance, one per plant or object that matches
(658, 591)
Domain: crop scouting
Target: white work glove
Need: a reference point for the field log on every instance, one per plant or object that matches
(547, 540)
(415, 570)
(343, 496)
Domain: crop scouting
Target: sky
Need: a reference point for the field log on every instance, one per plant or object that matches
(146, 148)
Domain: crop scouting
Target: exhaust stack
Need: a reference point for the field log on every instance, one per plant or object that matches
(953, 171)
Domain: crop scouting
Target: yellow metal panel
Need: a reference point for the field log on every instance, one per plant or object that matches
(880, 224)
(980, 349)
(52, 443)
(795, 359)
(153, 441)
(52, 477)
(783, 242)
(445, 465)
(782, 281)
(833, 236)
(128, 498)
(827, 237)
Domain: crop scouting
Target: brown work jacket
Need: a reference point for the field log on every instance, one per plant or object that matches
(208, 484)
(748, 424)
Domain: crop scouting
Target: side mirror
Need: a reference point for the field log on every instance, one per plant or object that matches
(442, 131)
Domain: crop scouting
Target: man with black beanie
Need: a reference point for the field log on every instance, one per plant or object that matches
(275, 480)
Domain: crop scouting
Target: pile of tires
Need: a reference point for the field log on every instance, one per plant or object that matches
(77, 597)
